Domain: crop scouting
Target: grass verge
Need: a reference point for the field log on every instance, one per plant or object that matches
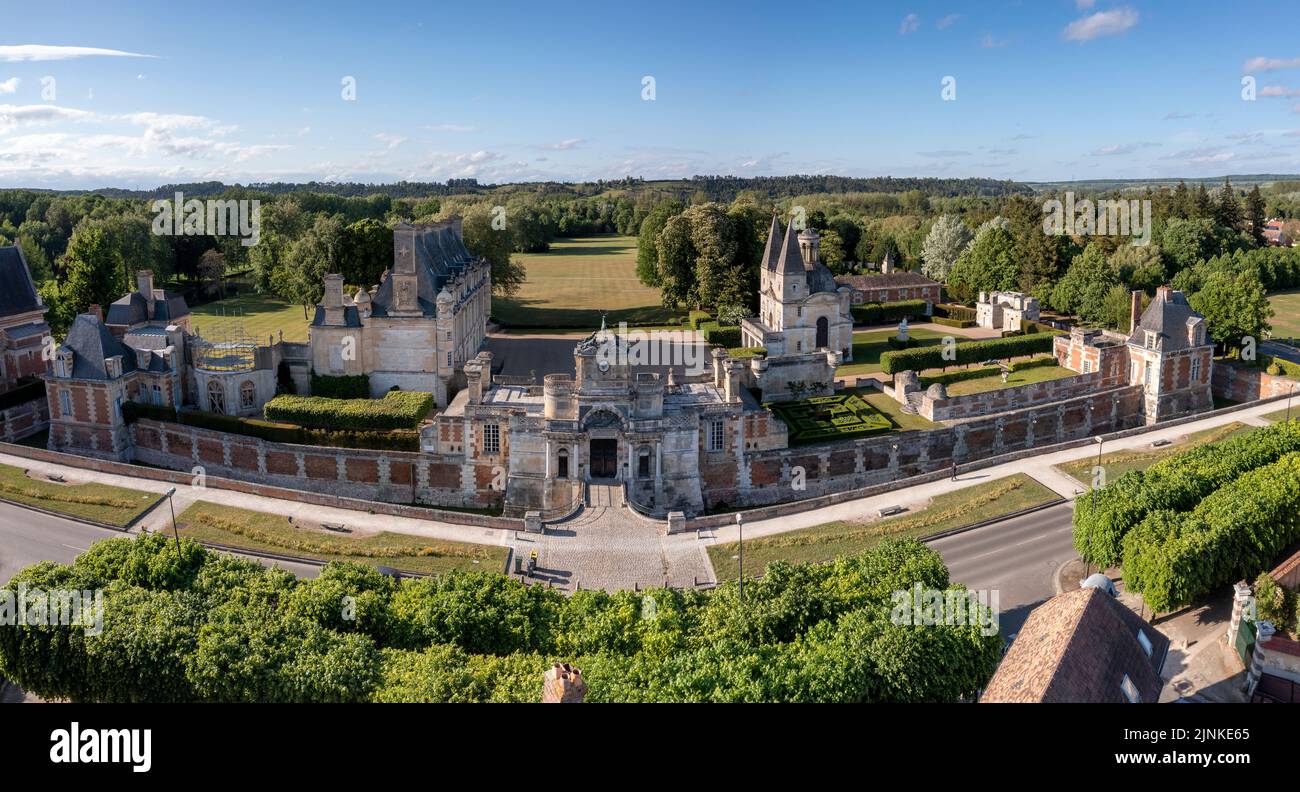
(1121, 462)
(826, 542)
(101, 503)
(272, 533)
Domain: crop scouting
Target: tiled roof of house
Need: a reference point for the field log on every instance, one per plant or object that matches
(134, 309)
(892, 280)
(17, 292)
(91, 342)
(1168, 315)
(1078, 647)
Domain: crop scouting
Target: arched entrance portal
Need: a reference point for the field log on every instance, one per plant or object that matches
(603, 458)
(823, 333)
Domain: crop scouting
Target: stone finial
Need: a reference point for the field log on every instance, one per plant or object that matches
(563, 684)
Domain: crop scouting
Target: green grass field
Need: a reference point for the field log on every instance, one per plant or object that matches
(964, 383)
(251, 530)
(822, 543)
(1286, 314)
(1121, 462)
(99, 502)
(262, 316)
(575, 281)
(867, 348)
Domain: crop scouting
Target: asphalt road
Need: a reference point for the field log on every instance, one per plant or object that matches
(27, 537)
(1018, 558)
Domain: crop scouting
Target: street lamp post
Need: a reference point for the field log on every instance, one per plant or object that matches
(175, 532)
(740, 526)
(1087, 563)
(1289, 394)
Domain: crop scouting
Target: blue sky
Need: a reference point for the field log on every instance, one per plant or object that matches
(504, 91)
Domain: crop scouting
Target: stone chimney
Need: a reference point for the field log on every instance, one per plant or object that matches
(333, 301)
(144, 285)
(95, 311)
(563, 684)
(1134, 311)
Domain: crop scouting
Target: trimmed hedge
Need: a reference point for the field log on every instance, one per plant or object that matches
(1285, 368)
(741, 353)
(345, 387)
(276, 432)
(1175, 484)
(1233, 534)
(951, 311)
(931, 357)
(947, 322)
(720, 336)
(696, 318)
(875, 313)
(397, 410)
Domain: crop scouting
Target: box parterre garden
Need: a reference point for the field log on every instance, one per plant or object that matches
(185, 624)
(397, 410)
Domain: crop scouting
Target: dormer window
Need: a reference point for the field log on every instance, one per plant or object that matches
(1151, 340)
(1130, 691)
(1145, 642)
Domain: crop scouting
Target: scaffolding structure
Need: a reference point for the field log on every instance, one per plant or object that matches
(229, 349)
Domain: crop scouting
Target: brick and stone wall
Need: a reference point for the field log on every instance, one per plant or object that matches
(768, 477)
(24, 420)
(956, 408)
(388, 476)
(1246, 383)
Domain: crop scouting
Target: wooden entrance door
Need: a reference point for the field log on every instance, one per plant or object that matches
(604, 458)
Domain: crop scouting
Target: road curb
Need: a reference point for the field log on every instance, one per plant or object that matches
(995, 520)
(75, 518)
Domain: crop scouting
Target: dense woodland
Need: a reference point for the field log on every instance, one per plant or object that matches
(699, 240)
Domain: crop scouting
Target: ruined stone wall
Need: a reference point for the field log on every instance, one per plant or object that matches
(773, 476)
(388, 476)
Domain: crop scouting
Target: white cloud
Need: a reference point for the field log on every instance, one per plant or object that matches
(452, 128)
(910, 23)
(47, 52)
(390, 140)
(1120, 148)
(1270, 64)
(1102, 23)
(14, 116)
(947, 21)
(565, 145)
(1268, 90)
(989, 42)
(1177, 116)
(1084, 5)
(9, 86)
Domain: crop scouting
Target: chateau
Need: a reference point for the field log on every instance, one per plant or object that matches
(419, 326)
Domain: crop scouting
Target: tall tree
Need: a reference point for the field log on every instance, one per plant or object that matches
(989, 264)
(367, 252)
(1256, 215)
(647, 242)
(1227, 210)
(1085, 286)
(1235, 306)
(948, 237)
(93, 266)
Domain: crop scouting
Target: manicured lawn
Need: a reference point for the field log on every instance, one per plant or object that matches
(867, 348)
(262, 317)
(570, 285)
(989, 378)
(1286, 314)
(850, 413)
(99, 502)
(1281, 414)
(274, 533)
(1121, 462)
(825, 542)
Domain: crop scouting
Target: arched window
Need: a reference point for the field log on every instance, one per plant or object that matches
(216, 398)
(247, 395)
(562, 464)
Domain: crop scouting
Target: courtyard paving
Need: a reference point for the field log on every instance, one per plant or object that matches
(607, 546)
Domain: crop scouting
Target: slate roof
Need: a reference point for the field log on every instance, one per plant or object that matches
(134, 309)
(351, 318)
(787, 259)
(17, 292)
(891, 280)
(440, 254)
(1168, 315)
(91, 342)
(1078, 647)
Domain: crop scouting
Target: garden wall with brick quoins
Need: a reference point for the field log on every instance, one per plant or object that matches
(956, 408)
(765, 477)
(399, 477)
(1246, 383)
